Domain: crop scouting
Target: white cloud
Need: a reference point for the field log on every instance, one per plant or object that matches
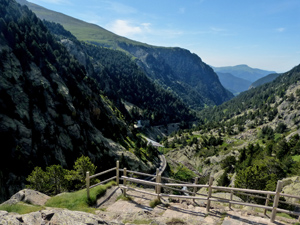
(127, 28)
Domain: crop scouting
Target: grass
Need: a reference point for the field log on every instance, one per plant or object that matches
(21, 208)
(175, 221)
(125, 198)
(276, 137)
(78, 200)
(154, 203)
(284, 215)
(296, 158)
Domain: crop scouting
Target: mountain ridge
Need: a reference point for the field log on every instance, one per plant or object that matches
(51, 112)
(244, 71)
(263, 80)
(233, 83)
(155, 60)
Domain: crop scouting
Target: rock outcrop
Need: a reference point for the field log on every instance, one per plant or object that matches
(28, 196)
(183, 72)
(53, 216)
(51, 112)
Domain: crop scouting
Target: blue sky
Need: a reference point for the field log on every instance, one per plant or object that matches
(263, 34)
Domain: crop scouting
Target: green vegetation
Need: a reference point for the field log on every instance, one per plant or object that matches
(296, 158)
(128, 81)
(196, 85)
(183, 173)
(154, 203)
(56, 179)
(175, 221)
(82, 30)
(78, 200)
(21, 208)
(125, 198)
(60, 108)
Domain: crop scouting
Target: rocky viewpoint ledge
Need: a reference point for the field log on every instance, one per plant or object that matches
(134, 211)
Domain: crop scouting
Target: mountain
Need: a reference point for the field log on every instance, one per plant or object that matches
(124, 83)
(251, 141)
(51, 111)
(244, 72)
(233, 83)
(261, 98)
(175, 69)
(264, 80)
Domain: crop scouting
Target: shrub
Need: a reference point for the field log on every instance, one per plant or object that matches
(154, 202)
(56, 179)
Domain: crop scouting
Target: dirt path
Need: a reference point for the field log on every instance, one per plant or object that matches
(137, 211)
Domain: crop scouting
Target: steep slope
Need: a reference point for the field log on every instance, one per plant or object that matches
(82, 30)
(259, 99)
(233, 83)
(264, 80)
(251, 141)
(50, 111)
(244, 72)
(183, 72)
(177, 69)
(123, 81)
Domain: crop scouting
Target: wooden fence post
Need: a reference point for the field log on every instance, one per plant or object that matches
(124, 181)
(276, 199)
(195, 188)
(231, 195)
(88, 184)
(211, 179)
(158, 187)
(156, 180)
(117, 173)
(267, 203)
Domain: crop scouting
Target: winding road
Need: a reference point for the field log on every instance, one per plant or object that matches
(163, 161)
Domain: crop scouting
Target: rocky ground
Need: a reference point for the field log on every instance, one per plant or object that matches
(137, 211)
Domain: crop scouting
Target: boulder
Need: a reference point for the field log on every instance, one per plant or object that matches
(54, 216)
(28, 196)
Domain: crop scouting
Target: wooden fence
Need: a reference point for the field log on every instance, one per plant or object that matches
(158, 184)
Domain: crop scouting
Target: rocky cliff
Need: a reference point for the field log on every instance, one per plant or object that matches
(50, 111)
(181, 71)
(176, 69)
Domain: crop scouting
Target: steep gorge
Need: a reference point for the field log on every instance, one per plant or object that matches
(50, 111)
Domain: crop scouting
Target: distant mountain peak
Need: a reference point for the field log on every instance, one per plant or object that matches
(244, 71)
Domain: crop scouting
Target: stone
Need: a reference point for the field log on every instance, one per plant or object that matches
(28, 196)
(54, 216)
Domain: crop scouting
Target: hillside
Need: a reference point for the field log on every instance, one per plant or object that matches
(233, 83)
(175, 69)
(51, 112)
(244, 72)
(251, 141)
(264, 80)
(124, 83)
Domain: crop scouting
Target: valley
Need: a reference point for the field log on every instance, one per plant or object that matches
(66, 94)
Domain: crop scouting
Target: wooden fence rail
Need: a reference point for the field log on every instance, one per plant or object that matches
(158, 185)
